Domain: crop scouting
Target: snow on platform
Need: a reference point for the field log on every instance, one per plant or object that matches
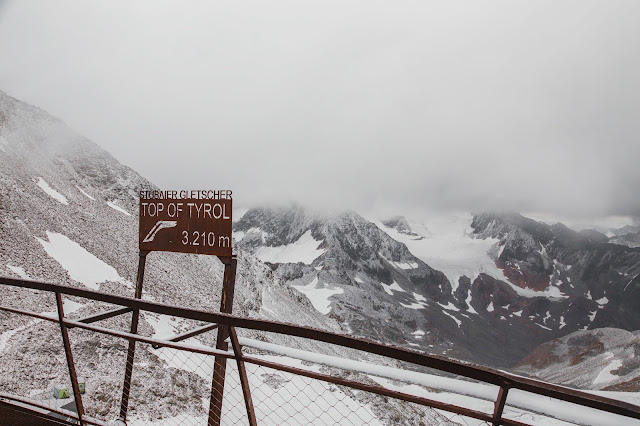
(523, 406)
(278, 397)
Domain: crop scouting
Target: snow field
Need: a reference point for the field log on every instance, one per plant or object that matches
(81, 265)
(69, 306)
(319, 297)
(7, 335)
(458, 322)
(450, 248)
(605, 375)
(304, 250)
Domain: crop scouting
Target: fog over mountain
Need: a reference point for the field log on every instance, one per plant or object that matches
(443, 105)
(498, 289)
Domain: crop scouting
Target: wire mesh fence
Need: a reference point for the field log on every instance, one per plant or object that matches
(100, 363)
(337, 380)
(32, 362)
(173, 387)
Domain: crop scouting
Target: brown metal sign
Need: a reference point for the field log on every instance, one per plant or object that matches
(186, 221)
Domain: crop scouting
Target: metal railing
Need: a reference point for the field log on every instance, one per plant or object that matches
(262, 388)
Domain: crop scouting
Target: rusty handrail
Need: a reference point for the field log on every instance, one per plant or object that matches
(5, 398)
(469, 370)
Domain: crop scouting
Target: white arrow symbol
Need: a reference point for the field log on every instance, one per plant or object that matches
(161, 224)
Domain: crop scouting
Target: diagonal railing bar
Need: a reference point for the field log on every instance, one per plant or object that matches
(69, 355)
(104, 315)
(192, 333)
(468, 370)
(244, 381)
(158, 342)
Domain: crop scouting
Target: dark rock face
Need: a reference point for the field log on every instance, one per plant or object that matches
(400, 224)
(376, 274)
(560, 281)
(605, 358)
(596, 282)
(35, 148)
(631, 239)
(595, 236)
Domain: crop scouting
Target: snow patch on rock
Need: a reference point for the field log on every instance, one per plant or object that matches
(81, 265)
(319, 297)
(389, 287)
(450, 248)
(118, 208)
(605, 375)
(453, 318)
(85, 194)
(52, 192)
(18, 271)
(304, 250)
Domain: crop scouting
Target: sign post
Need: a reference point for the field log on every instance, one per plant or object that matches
(196, 222)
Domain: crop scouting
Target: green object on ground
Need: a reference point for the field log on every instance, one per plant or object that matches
(60, 392)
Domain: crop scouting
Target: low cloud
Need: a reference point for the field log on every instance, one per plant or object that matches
(438, 106)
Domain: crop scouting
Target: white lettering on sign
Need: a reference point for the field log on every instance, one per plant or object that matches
(199, 210)
(174, 209)
(205, 239)
(200, 223)
(223, 194)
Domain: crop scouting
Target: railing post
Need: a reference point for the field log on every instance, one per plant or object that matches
(126, 387)
(499, 404)
(220, 366)
(70, 364)
(244, 380)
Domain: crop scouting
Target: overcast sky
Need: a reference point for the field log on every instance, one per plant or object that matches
(532, 106)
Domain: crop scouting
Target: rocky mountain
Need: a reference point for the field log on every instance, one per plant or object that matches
(632, 239)
(627, 229)
(628, 235)
(382, 287)
(68, 214)
(602, 359)
(586, 283)
(510, 283)
(490, 289)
